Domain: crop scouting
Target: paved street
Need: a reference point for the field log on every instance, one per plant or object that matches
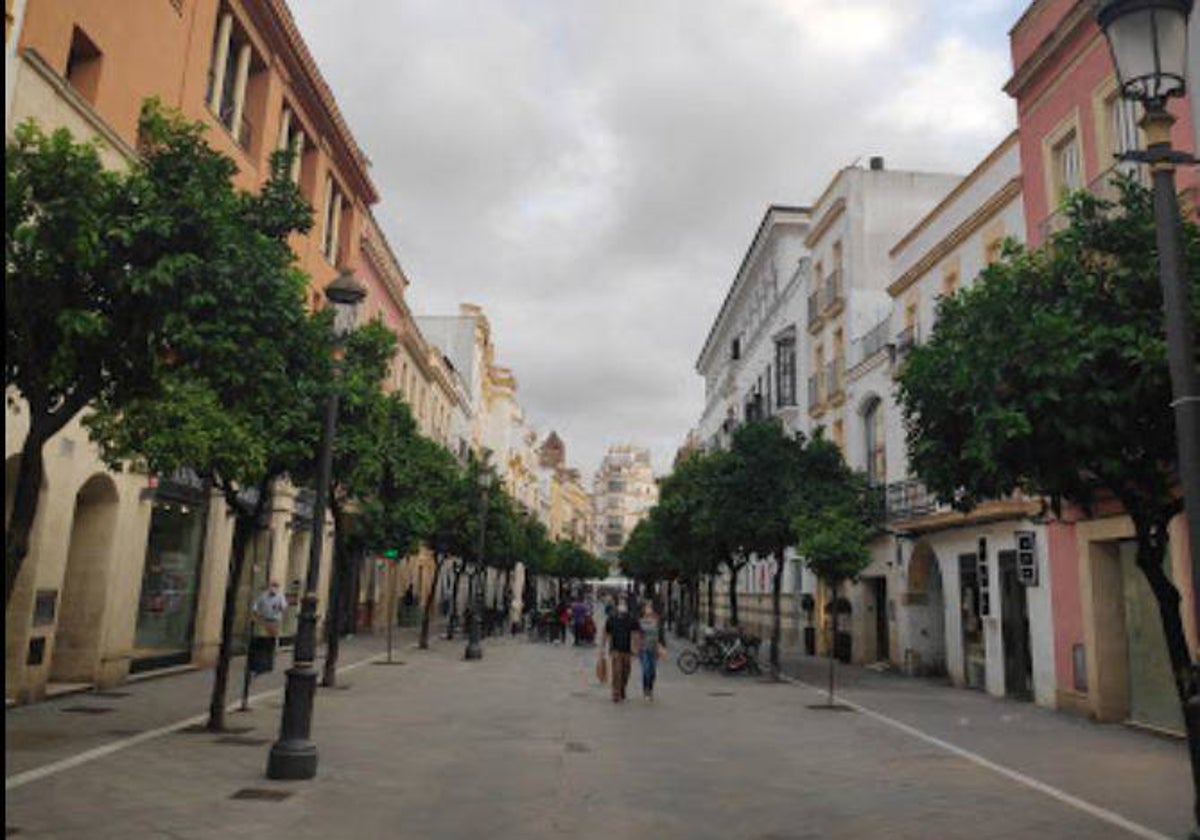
(524, 744)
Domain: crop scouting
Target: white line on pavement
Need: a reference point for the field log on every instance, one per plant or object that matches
(24, 778)
(1018, 777)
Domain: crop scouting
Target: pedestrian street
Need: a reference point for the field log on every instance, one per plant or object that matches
(524, 743)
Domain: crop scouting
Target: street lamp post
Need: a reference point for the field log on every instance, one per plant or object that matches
(474, 650)
(1148, 40)
(294, 755)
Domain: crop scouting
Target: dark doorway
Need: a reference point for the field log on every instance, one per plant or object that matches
(974, 658)
(1014, 629)
(882, 647)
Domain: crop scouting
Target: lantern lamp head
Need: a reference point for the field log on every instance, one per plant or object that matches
(345, 293)
(1148, 40)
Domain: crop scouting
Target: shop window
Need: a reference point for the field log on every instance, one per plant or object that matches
(170, 580)
(83, 65)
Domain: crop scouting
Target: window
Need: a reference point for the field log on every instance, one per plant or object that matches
(785, 371)
(992, 250)
(1067, 172)
(615, 522)
(616, 487)
(229, 72)
(735, 349)
(949, 281)
(83, 65)
(839, 434)
(612, 541)
(333, 220)
(291, 138)
(873, 440)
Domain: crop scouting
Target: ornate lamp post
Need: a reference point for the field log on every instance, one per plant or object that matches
(474, 650)
(1148, 40)
(294, 755)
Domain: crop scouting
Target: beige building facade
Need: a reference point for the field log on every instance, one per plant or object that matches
(623, 491)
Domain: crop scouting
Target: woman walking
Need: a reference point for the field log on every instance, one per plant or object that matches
(653, 644)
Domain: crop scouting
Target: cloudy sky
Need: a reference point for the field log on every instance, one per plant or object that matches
(591, 171)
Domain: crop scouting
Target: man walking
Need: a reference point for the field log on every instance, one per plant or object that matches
(619, 631)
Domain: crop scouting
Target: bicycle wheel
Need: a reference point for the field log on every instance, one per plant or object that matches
(688, 661)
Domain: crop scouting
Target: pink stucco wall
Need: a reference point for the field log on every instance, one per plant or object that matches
(1063, 85)
(1065, 599)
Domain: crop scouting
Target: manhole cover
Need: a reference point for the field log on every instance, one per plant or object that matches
(243, 741)
(578, 747)
(720, 694)
(124, 733)
(87, 710)
(262, 794)
(110, 695)
(825, 707)
(9, 831)
(385, 662)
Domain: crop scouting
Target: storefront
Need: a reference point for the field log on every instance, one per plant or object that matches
(171, 578)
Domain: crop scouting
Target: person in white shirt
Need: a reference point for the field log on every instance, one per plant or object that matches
(268, 611)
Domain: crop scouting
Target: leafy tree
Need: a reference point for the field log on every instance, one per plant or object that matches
(444, 493)
(833, 523)
(686, 520)
(756, 492)
(359, 458)
(110, 276)
(1049, 377)
(643, 557)
(235, 392)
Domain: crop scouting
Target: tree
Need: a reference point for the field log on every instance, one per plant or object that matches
(107, 275)
(643, 557)
(756, 493)
(359, 458)
(233, 397)
(444, 490)
(833, 524)
(1049, 377)
(686, 519)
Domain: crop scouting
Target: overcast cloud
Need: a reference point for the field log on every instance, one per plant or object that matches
(591, 172)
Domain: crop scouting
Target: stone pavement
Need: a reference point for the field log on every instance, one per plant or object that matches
(524, 744)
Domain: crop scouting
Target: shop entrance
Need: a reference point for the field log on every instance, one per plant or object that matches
(880, 596)
(1014, 628)
(970, 609)
(170, 580)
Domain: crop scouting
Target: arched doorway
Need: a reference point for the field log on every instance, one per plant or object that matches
(81, 605)
(926, 603)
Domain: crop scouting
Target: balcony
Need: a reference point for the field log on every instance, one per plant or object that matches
(834, 302)
(816, 394)
(908, 499)
(815, 306)
(1104, 187)
(874, 341)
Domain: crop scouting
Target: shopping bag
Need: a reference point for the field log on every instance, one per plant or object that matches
(602, 670)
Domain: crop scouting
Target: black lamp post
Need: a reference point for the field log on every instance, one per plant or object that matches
(1148, 40)
(294, 755)
(474, 650)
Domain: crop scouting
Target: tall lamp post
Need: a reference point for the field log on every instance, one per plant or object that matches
(294, 755)
(474, 650)
(1148, 40)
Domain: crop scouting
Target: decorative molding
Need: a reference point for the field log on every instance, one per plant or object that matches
(956, 237)
(831, 216)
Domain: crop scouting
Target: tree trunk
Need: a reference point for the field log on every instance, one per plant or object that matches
(776, 599)
(694, 607)
(1151, 555)
(423, 643)
(337, 585)
(452, 618)
(243, 530)
(832, 646)
(24, 510)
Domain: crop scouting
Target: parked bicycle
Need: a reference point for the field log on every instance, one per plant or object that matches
(729, 650)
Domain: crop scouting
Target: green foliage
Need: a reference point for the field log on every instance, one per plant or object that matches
(685, 517)
(644, 556)
(756, 489)
(571, 561)
(1049, 374)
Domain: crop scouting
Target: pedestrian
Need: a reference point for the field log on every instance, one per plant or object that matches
(266, 616)
(619, 632)
(578, 614)
(652, 647)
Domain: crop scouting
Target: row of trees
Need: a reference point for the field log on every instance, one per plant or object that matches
(768, 492)
(164, 307)
(1047, 376)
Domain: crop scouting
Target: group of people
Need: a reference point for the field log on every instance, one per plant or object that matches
(627, 635)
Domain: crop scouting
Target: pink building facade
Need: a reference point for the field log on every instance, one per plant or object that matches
(1110, 658)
